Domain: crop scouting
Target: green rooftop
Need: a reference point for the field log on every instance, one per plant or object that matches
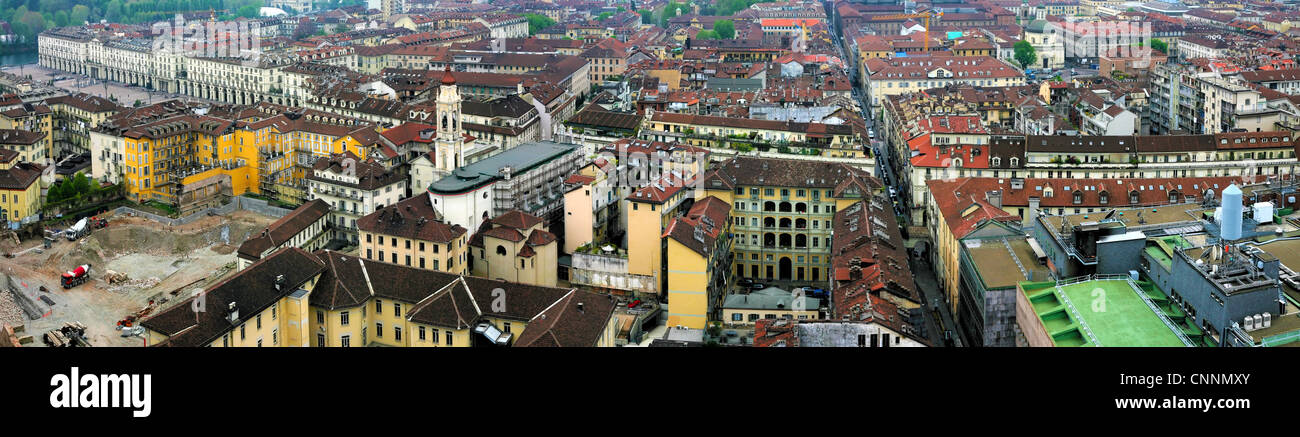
(1074, 315)
(1163, 249)
(519, 159)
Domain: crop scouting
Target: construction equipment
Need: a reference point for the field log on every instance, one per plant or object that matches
(78, 230)
(72, 334)
(98, 223)
(76, 276)
(925, 15)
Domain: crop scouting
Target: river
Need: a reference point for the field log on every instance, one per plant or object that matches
(28, 57)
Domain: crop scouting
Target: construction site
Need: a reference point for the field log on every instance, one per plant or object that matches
(89, 287)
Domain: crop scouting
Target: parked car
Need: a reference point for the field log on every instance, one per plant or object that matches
(758, 286)
(745, 282)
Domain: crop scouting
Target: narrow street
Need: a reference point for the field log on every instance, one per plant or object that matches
(928, 285)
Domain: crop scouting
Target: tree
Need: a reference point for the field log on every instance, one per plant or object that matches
(80, 186)
(672, 9)
(726, 29)
(647, 16)
(706, 34)
(604, 16)
(1025, 54)
(537, 22)
(80, 14)
(1162, 46)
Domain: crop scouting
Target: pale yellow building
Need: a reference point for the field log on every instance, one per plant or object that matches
(515, 247)
(293, 298)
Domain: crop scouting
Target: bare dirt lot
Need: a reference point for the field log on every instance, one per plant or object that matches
(162, 264)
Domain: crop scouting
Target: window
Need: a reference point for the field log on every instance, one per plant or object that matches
(397, 333)
(259, 321)
(434, 337)
(345, 341)
(320, 317)
(379, 307)
(379, 330)
(737, 317)
(320, 340)
(343, 318)
(449, 337)
(241, 332)
(422, 334)
(397, 309)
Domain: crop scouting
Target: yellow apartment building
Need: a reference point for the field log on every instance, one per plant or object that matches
(649, 210)
(35, 118)
(20, 189)
(187, 161)
(699, 253)
(782, 212)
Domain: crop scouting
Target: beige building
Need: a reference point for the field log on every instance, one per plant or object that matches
(304, 228)
(515, 247)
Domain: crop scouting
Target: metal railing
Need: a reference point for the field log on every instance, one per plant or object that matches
(1161, 314)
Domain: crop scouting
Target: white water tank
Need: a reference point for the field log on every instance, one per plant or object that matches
(1232, 210)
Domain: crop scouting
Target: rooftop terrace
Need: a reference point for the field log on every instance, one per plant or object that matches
(1003, 263)
(1133, 217)
(1107, 312)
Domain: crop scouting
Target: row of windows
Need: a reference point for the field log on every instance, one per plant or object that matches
(451, 262)
(430, 335)
(406, 241)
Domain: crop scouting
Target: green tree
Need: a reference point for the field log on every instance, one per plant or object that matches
(56, 193)
(604, 16)
(1025, 54)
(647, 16)
(80, 14)
(1162, 46)
(537, 22)
(706, 34)
(80, 185)
(672, 9)
(726, 29)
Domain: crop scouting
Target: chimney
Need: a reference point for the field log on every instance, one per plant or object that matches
(994, 198)
(232, 313)
(279, 281)
(580, 308)
(1033, 211)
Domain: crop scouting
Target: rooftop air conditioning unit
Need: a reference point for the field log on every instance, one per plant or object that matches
(1248, 323)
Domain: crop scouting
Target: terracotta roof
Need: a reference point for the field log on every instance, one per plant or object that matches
(413, 218)
(251, 290)
(577, 320)
(699, 229)
(284, 229)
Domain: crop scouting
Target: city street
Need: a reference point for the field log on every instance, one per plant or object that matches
(928, 285)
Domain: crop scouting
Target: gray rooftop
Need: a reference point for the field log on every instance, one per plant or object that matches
(770, 298)
(520, 159)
